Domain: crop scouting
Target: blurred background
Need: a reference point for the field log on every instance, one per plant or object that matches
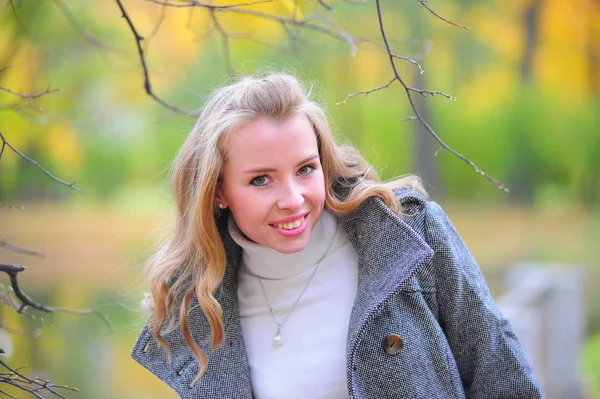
(527, 79)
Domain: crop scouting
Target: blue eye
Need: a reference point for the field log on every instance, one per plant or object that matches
(259, 181)
(306, 169)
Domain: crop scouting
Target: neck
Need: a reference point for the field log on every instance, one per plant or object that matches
(267, 263)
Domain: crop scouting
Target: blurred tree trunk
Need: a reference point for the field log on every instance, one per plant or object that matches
(424, 164)
(521, 180)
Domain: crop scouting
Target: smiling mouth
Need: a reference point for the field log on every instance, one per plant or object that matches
(291, 225)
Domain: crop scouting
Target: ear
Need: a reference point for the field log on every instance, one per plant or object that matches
(220, 201)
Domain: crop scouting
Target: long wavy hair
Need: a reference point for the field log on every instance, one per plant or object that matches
(191, 261)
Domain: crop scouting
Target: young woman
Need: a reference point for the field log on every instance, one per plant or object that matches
(293, 272)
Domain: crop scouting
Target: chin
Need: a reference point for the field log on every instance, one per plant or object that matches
(292, 248)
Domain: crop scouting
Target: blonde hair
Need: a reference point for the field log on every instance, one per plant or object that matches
(191, 261)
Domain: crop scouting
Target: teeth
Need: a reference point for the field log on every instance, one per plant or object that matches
(290, 225)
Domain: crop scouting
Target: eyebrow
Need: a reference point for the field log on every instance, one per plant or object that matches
(266, 170)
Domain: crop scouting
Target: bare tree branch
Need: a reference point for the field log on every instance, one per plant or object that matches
(324, 5)
(424, 4)
(5, 143)
(7, 394)
(418, 116)
(338, 33)
(224, 37)
(304, 23)
(409, 60)
(16, 330)
(161, 18)
(424, 93)
(84, 312)
(194, 3)
(147, 84)
(29, 96)
(12, 5)
(75, 23)
(343, 34)
(14, 248)
(4, 205)
(35, 386)
(26, 302)
(367, 92)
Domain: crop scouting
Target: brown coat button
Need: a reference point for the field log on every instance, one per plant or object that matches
(393, 344)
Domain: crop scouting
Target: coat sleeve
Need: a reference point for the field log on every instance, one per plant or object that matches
(489, 357)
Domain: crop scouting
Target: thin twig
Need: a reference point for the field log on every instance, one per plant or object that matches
(345, 35)
(14, 330)
(84, 312)
(14, 248)
(305, 23)
(367, 92)
(29, 96)
(19, 380)
(7, 394)
(26, 302)
(194, 3)
(12, 5)
(424, 4)
(161, 18)
(147, 85)
(75, 23)
(37, 165)
(4, 205)
(424, 93)
(409, 60)
(224, 37)
(324, 5)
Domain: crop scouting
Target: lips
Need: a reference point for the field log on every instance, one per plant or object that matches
(289, 219)
(291, 226)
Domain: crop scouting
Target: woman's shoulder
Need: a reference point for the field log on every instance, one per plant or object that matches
(423, 213)
(412, 201)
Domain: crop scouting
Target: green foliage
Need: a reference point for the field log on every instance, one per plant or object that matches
(533, 134)
(591, 365)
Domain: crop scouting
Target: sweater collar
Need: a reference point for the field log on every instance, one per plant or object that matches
(267, 263)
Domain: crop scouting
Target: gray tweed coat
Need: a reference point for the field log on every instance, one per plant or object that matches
(417, 280)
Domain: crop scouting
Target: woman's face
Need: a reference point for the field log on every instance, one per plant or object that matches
(273, 182)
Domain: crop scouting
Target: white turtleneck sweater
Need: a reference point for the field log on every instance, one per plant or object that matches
(311, 363)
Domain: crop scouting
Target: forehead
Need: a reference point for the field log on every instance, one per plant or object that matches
(265, 141)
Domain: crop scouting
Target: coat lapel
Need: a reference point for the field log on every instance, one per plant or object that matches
(389, 250)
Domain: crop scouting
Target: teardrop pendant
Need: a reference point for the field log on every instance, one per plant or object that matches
(278, 339)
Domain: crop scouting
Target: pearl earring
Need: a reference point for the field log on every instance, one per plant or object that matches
(221, 206)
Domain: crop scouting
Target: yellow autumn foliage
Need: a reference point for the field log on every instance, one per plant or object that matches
(62, 145)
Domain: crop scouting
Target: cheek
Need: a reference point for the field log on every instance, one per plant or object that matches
(317, 189)
(248, 205)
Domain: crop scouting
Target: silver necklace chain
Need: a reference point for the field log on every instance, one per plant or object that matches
(278, 338)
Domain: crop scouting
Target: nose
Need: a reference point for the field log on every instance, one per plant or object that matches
(291, 197)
